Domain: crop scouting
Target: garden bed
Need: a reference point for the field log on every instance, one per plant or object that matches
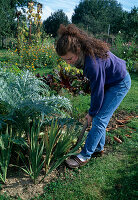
(19, 184)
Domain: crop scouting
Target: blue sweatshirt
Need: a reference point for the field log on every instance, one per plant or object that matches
(102, 73)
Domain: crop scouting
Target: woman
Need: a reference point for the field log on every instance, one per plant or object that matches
(109, 82)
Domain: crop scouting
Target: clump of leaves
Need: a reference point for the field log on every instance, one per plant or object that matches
(69, 78)
(27, 97)
(58, 146)
(5, 152)
(35, 149)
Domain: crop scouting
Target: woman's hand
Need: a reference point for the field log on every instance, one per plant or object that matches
(89, 118)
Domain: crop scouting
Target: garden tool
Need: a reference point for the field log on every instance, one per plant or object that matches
(82, 133)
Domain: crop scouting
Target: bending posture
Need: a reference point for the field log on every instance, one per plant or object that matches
(109, 82)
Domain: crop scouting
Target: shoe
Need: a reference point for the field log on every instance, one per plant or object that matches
(98, 154)
(74, 162)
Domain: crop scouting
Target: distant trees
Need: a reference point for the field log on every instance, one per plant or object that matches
(106, 16)
(95, 16)
(51, 24)
(8, 14)
(130, 23)
(98, 15)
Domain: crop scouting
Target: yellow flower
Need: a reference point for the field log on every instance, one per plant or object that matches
(34, 69)
(78, 71)
(67, 69)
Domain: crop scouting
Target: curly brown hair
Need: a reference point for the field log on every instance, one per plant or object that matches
(75, 40)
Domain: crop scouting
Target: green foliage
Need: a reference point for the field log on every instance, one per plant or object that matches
(52, 23)
(26, 97)
(57, 144)
(126, 51)
(130, 24)
(48, 148)
(35, 149)
(106, 16)
(7, 16)
(69, 77)
(10, 68)
(5, 152)
(40, 54)
(96, 15)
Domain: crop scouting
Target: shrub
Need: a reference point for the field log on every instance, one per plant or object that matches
(38, 54)
(24, 96)
(126, 51)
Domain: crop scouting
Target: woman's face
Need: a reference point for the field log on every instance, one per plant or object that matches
(70, 58)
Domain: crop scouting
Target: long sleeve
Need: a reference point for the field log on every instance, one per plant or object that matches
(102, 73)
(96, 74)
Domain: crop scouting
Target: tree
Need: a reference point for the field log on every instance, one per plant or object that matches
(130, 24)
(52, 23)
(98, 15)
(8, 16)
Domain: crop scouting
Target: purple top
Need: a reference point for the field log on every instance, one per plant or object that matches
(102, 74)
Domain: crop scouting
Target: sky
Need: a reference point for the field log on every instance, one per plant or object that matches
(68, 6)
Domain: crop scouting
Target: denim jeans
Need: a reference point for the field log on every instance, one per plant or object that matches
(113, 96)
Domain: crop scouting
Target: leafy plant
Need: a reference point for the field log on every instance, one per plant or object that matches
(58, 146)
(35, 148)
(49, 148)
(5, 152)
(68, 77)
(126, 51)
(53, 147)
(27, 97)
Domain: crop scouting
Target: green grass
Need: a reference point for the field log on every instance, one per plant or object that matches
(44, 71)
(4, 55)
(130, 103)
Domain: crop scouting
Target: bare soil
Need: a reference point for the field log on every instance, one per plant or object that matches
(19, 184)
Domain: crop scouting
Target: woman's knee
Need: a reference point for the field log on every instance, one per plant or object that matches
(100, 123)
